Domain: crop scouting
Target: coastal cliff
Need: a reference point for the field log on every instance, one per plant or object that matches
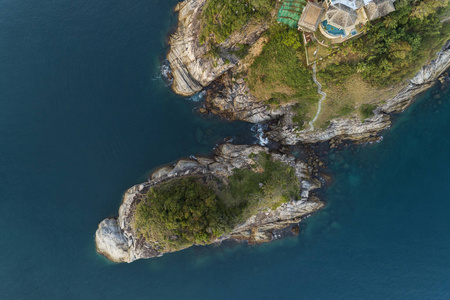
(117, 239)
(191, 69)
(228, 95)
(194, 68)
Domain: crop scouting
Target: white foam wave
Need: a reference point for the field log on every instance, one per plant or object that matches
(198, 97)
(261, 138)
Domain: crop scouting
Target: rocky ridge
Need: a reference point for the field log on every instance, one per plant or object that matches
(116, 239)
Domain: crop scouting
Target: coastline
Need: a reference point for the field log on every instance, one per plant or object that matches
(230, 98)
(192, 72)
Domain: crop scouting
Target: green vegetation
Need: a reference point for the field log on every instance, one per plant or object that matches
(337, 73)
(367, 110)
(397, 45)
(221, 18)
(369, 69)
(279, 75)
(267, 185)
(181, 212)
(189, 210)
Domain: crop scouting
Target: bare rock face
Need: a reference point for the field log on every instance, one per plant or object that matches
(191, 69)
(233, 100)
(285, 132)
(260, 228)
(116, 239)
(111, 242)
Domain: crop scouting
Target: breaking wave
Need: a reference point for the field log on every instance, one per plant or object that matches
(258, 130)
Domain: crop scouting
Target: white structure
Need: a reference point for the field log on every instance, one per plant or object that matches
(353, 4)
(345, 17)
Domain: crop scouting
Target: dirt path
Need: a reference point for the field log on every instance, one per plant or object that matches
(319, 91)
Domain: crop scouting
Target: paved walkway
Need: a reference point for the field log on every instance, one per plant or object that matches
(324, 95)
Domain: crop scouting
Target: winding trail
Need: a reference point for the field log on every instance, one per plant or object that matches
(319, 91)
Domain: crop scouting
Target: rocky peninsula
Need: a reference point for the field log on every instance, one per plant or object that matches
(225, 67)
(230, 96)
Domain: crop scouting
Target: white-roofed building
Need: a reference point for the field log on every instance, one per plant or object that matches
(344, 18)
(341, 20)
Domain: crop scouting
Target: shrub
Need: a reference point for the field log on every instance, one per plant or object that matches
(221, 18)
(181, 212)
(367, 110)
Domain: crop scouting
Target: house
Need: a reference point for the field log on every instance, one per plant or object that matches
(311, 17)
(342, 19)
(379, 8)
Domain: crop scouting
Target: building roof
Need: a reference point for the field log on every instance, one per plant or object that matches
(341, 16)
(379, 8)
(310, 17)
(354, 4)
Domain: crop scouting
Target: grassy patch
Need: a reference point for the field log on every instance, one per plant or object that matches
(367, 110)
(337, 73)
(267, 185)
(279, 74)
(345, 98)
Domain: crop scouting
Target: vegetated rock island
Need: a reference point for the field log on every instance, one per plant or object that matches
(243, 192)
(254, 68)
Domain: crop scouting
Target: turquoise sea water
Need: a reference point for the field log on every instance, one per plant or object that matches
(83, 116)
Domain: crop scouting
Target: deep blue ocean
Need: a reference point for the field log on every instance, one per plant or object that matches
(84, 114)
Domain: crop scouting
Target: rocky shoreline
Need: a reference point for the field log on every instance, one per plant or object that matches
(193, 71)
(229, 97)
(116, 239)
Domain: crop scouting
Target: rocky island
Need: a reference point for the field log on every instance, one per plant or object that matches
(243, 192)
(307, 84)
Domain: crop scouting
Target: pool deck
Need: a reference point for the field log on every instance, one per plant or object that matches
(338, 39)
(334, 39)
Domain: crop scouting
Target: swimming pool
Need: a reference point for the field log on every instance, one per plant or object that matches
(332, 30)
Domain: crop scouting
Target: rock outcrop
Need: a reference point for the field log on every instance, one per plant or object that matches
(194, 67)
(116, 239)
(232, 100)
(191, 68)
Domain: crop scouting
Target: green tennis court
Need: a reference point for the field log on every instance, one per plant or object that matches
(290, 12)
